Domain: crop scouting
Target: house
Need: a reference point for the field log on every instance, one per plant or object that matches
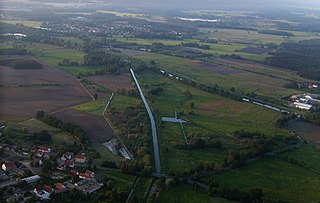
(81, 182)
(43, 192)
(74, 172)
(2, 127)
(85, 176)
(44, 149)
(25, 152)
(61, 166)
(80, 158)
(39, 153)
(59, 186)
(302, 105)
(8, 166)
(67, 156)
(69, 164)
(89, 173)
(14, 166)
(32, 179)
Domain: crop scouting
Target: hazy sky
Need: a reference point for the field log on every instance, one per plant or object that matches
(219, 3)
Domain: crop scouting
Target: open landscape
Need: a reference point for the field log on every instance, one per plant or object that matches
(160, 101)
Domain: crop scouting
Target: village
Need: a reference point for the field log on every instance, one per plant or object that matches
(26, 174)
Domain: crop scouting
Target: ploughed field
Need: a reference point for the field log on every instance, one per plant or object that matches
(25, 91)
(96, 127)
(308, 131)
(112, 82)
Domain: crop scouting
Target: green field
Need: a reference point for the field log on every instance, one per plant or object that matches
(75, 70)
(121, 102)
(185, 194)
(95, 107)
(215, 116)
(243, 82)
(252, 37)
(212, 112)
(23, 22)
(49, 53)
(278, 180)
(35, 123)
(123, 181)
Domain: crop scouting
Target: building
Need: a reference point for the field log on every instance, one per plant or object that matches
(44, 149)
(43, 192)
(80, 158)
(67, 156)
(39, 153)
(32, 179)
(8, 166)
(59, 186)
(74, 172)
(69, 164)
(302, 105)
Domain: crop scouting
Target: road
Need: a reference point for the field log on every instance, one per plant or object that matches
(153, 126)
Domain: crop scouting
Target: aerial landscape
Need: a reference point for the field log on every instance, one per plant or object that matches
(140, 101)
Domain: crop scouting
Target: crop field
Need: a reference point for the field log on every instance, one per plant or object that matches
(214, 116)
(28, 91)
(76, 70)
(50, 53)
(252, 37)
(185, 193)
(212, 112)
(121, 101)
(306, 130)
(95, 107)
(112, 82)
(23, 22)
(96, 127)
(33, 125)
(275, 177)
(242, 81)
(259, 68)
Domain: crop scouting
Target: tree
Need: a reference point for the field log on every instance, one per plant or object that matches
(192, 104)
(40, 114)
(95, 96)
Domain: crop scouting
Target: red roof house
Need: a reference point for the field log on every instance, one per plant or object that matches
(80, 158)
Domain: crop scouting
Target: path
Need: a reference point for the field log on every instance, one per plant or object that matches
(114, 132)
(153, 126)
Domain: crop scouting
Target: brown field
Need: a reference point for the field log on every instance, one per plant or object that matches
(255, 50)
(24, 92)
(96, 127)
(265, 69)
(217, 68)
(112, 82)
(307, 131)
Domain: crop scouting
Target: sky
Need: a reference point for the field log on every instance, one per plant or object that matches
(242, 4)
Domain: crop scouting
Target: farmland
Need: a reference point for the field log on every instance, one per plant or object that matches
(242, 81)
(22, 86)
(97, 129)
(113, 82)
(231, 132)
(23, 22)
(275, 178)
(214, 117)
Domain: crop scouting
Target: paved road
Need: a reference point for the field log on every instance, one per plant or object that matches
(153, 126)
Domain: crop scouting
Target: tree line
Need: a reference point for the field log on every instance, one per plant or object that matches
(71, 128)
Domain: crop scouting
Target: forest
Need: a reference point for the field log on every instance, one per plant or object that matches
(302, 57)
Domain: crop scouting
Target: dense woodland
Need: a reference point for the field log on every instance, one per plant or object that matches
(21, 63)
(302, 57)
